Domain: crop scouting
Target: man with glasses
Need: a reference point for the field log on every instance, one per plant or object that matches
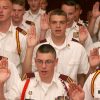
(72, 56)
(46, 84)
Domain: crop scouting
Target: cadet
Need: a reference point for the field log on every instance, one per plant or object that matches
(92, 84)
(17, 13)
(72, 56)
(34, 14)
(46, 83)
(12, 42)
(74, 31)
(69, 7)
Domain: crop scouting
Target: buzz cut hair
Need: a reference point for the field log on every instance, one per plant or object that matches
(58, 12)
(46, 48)
(69, 2)
(19, 2)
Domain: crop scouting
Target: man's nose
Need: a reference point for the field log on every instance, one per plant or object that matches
(1, 10)
(58, 24)
(44, 65)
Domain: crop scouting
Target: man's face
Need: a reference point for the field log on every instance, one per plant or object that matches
(5, 10)
(58, 25)
(70, 11)
(43, 4)
(77, 12)
(45, 63)
(34, 5)
(17, 13)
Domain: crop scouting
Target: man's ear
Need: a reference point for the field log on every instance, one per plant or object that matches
(56, 62)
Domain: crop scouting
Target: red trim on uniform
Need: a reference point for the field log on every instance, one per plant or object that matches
(24, 89)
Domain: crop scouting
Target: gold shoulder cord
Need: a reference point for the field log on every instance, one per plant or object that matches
(93, 80)
(18, 42)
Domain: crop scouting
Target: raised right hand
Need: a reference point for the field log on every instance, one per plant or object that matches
(95, 11)
(4, 71)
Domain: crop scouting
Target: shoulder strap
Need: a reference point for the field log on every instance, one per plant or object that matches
(65, 78)
(30, 22)
(18, 29)
(43, 41)
(93, 80)
(75, 40)
(18, 42)
(21, 31)
(1, 57)
(28, 75)
(79, 24)
(24, 89)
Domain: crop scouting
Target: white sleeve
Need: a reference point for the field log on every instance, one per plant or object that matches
(12, 86)
(87, 89)
(84, 64)
(23, 45)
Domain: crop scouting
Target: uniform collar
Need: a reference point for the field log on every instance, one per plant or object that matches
(40, 12)
(53, 82)
(10, 30)
(64, 45)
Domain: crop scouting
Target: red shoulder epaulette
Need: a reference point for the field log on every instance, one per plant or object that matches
(1, 57)
(66, 78)
(42, 41)
(79, 24)
(28, 75)
(75, 40)
(29, 22)
(93, 80)
(21, 30)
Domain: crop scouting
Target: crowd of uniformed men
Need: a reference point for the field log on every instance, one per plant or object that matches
(49, 56)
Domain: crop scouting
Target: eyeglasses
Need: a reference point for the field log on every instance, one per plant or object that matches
(47, 62)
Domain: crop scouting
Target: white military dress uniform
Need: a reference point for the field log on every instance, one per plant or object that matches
(34, 18)
(37, 90)
(92, 88)
(8, 46)
(72, 58)
(72, 32)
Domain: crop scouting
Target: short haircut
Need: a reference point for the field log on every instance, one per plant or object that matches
(69, 2)
(46, 48)
(19, 2)
(57, 12)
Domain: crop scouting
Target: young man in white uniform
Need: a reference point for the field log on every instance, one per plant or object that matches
(34, 14)
(73, 60)
(46, 84)
(12, 42)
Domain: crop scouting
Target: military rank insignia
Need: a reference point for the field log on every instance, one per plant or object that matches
(75, 34)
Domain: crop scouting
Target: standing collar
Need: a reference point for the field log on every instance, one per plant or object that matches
(40, 12)
(54, 80)
(64, 45)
